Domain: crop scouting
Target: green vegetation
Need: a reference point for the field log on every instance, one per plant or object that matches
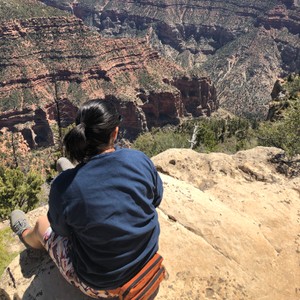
(16, 9)
(283, 129)
(284, 133)
(6, 255)
(227, 135)
(292, 86)
(210, 134)
(232, 134)
(148, 81)
(18, 190)
(159, 140)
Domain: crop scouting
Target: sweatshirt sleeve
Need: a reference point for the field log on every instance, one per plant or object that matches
(56, 212)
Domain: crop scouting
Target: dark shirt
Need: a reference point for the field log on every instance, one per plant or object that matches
(107, 209)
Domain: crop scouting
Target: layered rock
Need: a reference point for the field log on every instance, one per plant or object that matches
(199, 26)
(49, 66)
(280, 17)
(32, 123)
(229, 230)
(226, 38)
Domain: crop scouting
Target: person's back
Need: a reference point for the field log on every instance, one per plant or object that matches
(108, 205)
(102, 227)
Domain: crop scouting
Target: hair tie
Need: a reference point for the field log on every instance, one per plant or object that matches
(81, 125)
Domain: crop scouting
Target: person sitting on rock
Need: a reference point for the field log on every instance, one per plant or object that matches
(102, 226)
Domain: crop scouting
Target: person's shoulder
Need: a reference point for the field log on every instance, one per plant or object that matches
(64, 178)
(129, 152)
(136, 157)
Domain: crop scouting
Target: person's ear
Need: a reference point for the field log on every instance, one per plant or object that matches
(114, 134)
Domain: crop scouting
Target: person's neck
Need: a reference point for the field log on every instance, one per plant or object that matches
(110, 149)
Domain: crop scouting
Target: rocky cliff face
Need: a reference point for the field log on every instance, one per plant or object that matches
(49, 66)
(229, 230)
(281, 17)
(243, 45)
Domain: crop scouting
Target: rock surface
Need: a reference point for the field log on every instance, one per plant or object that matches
(229, 230)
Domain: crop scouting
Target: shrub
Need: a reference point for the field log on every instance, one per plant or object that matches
(6, 255)
(284, 133)
(18, 190)
(157, 141)
(206, 137)
(211, 134)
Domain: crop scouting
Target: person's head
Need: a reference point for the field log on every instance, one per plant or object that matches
(96, 129)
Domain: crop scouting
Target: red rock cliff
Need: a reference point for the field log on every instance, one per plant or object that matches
(244, 46)
(49, 66)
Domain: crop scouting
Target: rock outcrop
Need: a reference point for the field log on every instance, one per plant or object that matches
(281, 17)
(229, 230)
(244, 46)
(49, 66)
(285, 92)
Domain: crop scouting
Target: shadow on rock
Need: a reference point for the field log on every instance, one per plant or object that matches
(47, 283)
(4, 295)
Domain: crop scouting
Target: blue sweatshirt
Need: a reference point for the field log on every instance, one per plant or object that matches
(107, 209)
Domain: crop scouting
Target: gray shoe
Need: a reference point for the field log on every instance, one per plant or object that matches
(63, 164)
(19, 222)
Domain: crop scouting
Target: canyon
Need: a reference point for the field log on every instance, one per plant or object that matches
(159, 61)
(50, 65)
(243, 46)
(229, 223)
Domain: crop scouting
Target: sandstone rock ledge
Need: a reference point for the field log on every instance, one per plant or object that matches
(229, 230)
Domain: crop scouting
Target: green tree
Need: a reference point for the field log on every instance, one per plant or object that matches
(206, 137)
(157, 141)
(284, 133)
(211, 134)
(18, 190)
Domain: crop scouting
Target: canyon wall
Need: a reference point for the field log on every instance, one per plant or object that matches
(244, 46)
(50, 65)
